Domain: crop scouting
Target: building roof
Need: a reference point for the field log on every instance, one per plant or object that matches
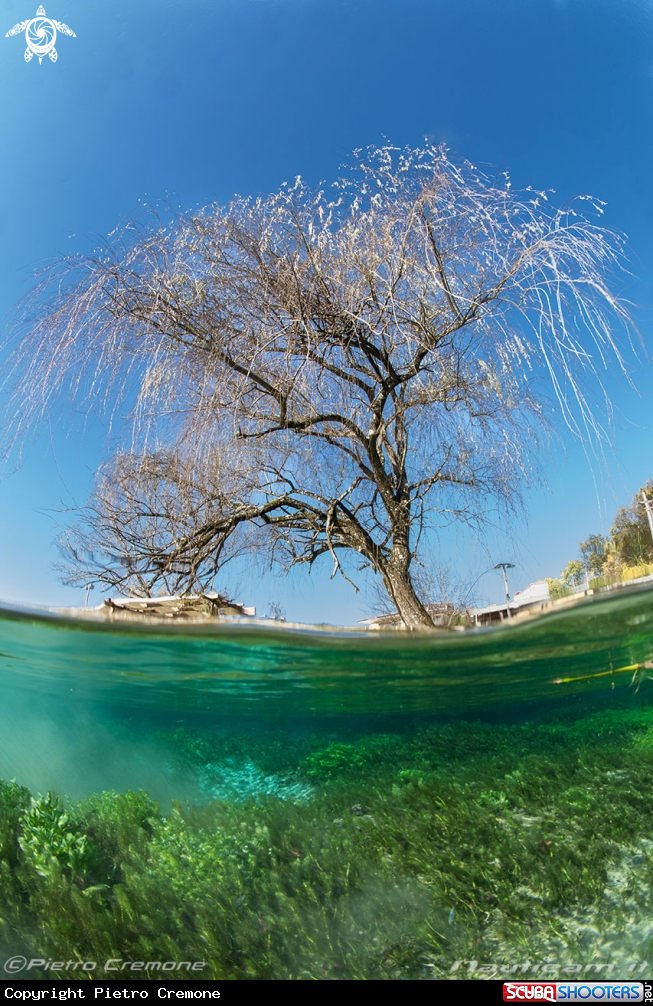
(193, 606)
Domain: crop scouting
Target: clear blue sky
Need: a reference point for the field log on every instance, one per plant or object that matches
(203, 99)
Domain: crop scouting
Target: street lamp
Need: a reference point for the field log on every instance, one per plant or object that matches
(503, 566)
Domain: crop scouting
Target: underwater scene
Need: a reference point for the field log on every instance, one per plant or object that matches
(242, 802)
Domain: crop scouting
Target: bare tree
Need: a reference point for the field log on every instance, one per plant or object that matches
(137, 526)
(324, 372)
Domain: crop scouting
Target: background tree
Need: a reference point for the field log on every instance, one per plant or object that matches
(573, 574)
(322, 373)
(631, 534)
(593, 553)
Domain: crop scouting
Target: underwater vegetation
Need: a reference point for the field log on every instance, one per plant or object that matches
(388, 856)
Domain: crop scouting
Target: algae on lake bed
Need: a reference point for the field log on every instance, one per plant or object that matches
(386, 856)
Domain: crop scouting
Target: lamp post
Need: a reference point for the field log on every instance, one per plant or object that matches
(503, 566)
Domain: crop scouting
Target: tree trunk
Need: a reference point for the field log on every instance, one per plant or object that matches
(400, 587)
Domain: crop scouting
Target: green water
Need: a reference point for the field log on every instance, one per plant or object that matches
(261, 803)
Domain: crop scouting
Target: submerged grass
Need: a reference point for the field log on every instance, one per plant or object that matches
(375, 857)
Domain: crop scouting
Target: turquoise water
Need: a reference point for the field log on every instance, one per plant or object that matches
(408, 804)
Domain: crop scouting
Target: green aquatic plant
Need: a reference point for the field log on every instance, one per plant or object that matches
(335, 760)
(454, 842)
(49, 841)
(14, 800)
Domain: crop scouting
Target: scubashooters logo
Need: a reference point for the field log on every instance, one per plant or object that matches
(40, 35)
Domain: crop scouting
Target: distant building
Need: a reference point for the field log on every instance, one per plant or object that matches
(441, 615)
(535, 596)
(190, 607)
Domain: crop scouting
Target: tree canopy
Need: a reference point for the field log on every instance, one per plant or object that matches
(325, 372)
(594, 553)
(573, 573)
(623, 554)
(631, 533)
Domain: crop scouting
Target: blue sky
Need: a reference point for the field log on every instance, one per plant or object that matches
(203, 99)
